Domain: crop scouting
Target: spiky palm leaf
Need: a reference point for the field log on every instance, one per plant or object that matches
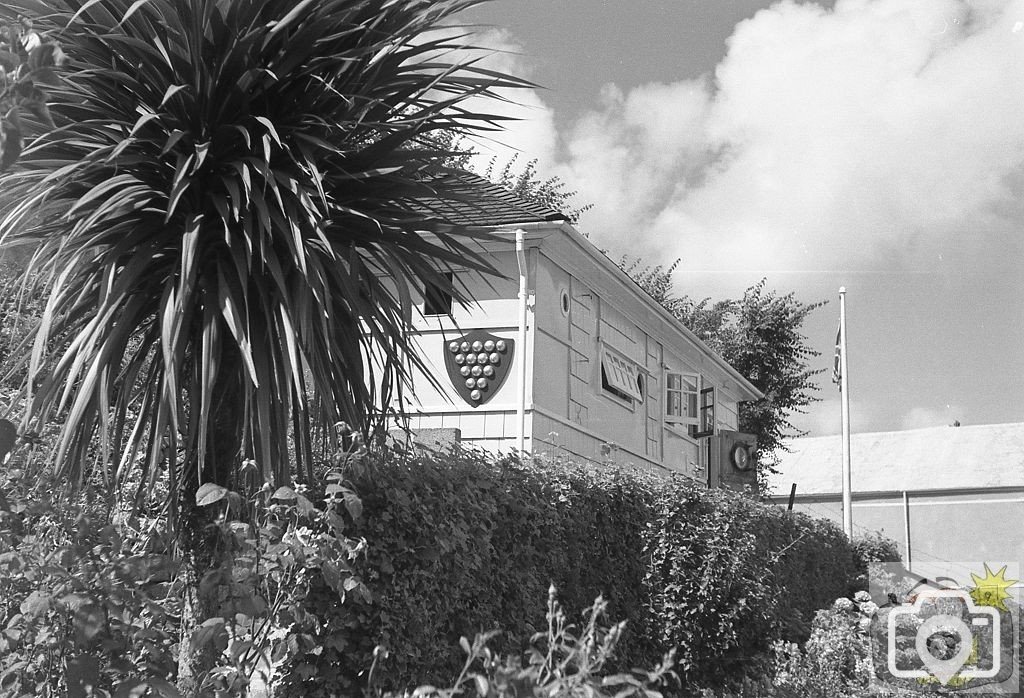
(230, 215)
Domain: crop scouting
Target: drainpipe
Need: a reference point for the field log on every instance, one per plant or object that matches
(521, 344)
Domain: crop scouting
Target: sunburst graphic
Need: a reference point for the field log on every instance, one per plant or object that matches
(991, 590)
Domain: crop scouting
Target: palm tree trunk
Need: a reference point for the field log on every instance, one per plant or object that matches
(199, 541)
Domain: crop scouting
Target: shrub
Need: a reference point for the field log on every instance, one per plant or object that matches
(727, 575)
(562, 662)
(84, 603)
(867, 549)
(91, 598)
(461, 542)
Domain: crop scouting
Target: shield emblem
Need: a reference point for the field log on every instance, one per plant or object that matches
(478, 364)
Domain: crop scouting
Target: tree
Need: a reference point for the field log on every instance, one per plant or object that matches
(227, 217)
(759, 335)
(528, 185)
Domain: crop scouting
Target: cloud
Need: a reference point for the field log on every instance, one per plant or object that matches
(922, 417)
(826, 139)
(531, 131)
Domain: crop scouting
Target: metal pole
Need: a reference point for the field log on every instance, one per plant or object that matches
(844, 386)
(521, 341)
(906, 530)
(792, 497)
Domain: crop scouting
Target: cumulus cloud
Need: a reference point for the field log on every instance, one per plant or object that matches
(530, 131)
(877, 145)
(825, 139)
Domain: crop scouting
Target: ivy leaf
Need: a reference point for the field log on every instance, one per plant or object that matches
(211, 632)
(332, 575)
(209, 493)
(305, 506)
(37, 603)
(353, 504)
(285, 494)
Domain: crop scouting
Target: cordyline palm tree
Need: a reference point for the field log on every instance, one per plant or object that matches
(228, 217)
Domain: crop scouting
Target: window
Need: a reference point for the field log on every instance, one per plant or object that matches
(437, 300)
(621, 377)
(682, 392)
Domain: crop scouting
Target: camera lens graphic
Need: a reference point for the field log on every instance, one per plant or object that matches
(942, 657)
(943, 641)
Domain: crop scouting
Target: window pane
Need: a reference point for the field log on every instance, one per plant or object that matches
(437, 300)
(675, 404)
(622, 376)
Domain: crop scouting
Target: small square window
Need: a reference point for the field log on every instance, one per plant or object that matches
(437, 300)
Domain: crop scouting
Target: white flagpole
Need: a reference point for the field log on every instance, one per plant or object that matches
(844, 385)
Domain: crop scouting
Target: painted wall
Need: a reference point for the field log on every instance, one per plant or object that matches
(492, 425)
(575, 310)
(953, 527)
(575, 416)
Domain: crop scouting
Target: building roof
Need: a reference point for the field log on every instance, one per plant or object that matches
(936, 458)
(480, 202)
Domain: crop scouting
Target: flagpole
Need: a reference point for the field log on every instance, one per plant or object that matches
(845, 399)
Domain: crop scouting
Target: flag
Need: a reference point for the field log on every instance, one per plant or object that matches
(837, 372)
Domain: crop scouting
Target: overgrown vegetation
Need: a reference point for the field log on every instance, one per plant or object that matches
(527, 184)
(562, 660)
(93, 595)
(317, 585)
(457, 544)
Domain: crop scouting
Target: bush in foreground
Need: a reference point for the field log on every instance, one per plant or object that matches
(460, 542)
(562, 661)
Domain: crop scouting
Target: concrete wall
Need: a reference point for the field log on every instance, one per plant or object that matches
(950, 527)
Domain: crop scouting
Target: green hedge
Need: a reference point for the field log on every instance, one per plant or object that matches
(461, 542)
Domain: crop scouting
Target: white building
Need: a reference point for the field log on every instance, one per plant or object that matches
(607, 373)
(946, 495)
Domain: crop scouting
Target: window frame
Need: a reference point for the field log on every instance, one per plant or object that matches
(437, 295)
(622, 378)
(685, 397)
